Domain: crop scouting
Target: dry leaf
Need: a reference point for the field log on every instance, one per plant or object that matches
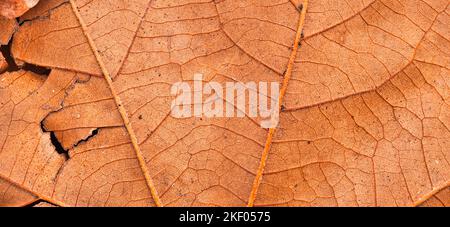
(16, 8)
(8, 27)
(11, 195)
(365, 122)
(44, 204)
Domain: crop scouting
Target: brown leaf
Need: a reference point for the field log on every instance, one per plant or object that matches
(42, 39)
(365, 122)
(7, 27)
(441, 199)
(27, 99)
(15, 8)
(14, 196)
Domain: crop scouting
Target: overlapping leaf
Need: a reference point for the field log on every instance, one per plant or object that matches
(366, 119)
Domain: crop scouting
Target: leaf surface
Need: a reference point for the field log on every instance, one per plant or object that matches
(15, 8)
(8, 28)
(441, 199)
(365, 120)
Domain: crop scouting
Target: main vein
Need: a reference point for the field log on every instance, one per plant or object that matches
(122, 110)
(287, 77)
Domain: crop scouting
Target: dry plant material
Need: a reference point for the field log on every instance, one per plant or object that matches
(3, 64)
(365, 121)
(16, 8)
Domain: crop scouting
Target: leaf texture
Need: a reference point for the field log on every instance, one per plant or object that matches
(3, 64)
(15, 8)
(365, 122)
(11, 195)
(441, 199)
